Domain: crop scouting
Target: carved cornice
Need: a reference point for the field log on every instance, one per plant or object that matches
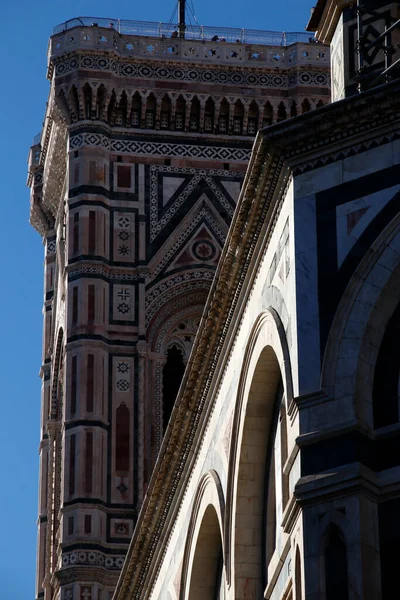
(84, 268)
(237, 75)
(338, 130)
(49, 176)
(277, 149)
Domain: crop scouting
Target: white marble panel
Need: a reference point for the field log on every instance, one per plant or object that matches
(169, 187)
(319, 179)
(365, 163)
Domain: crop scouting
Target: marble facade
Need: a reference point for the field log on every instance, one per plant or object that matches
(279, 475)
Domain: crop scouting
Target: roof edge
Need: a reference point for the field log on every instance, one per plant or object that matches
(316, 14)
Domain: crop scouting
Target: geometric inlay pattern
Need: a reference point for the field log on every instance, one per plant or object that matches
(92, 557)
(159, 148)
(169, 288)
(123, 302)
(225, 77)
(194, 177)
(195, 219)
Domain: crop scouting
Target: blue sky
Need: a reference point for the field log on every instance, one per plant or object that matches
(26, 27)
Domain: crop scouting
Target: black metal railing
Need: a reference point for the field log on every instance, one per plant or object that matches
(192, 32)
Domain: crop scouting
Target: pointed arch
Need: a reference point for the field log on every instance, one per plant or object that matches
(101, 100)
(122, 112)
(111, 108)
(251, 461)
(268, 114)
(293, 109)
(281, 114)
(87, 98)
(305, 106)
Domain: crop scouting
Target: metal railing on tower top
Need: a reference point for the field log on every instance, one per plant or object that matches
(192, 32)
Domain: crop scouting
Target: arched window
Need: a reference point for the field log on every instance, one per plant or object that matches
(207, 576)
(122, 111)
(87, 92)
(281, 116)
(257, 496)
(386, 388)
(305, 106)
(172, 377)
(111, 109)
(336, 580)
(122, 438)
(268, 115)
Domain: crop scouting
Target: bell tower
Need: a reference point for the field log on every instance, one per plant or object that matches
(134, 181)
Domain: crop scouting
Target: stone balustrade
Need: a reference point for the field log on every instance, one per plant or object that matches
(203, 50)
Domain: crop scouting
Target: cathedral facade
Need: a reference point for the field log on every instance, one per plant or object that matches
(134, 182)
(279, 473)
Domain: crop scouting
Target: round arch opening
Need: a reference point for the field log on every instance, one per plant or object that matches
(207, 576)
